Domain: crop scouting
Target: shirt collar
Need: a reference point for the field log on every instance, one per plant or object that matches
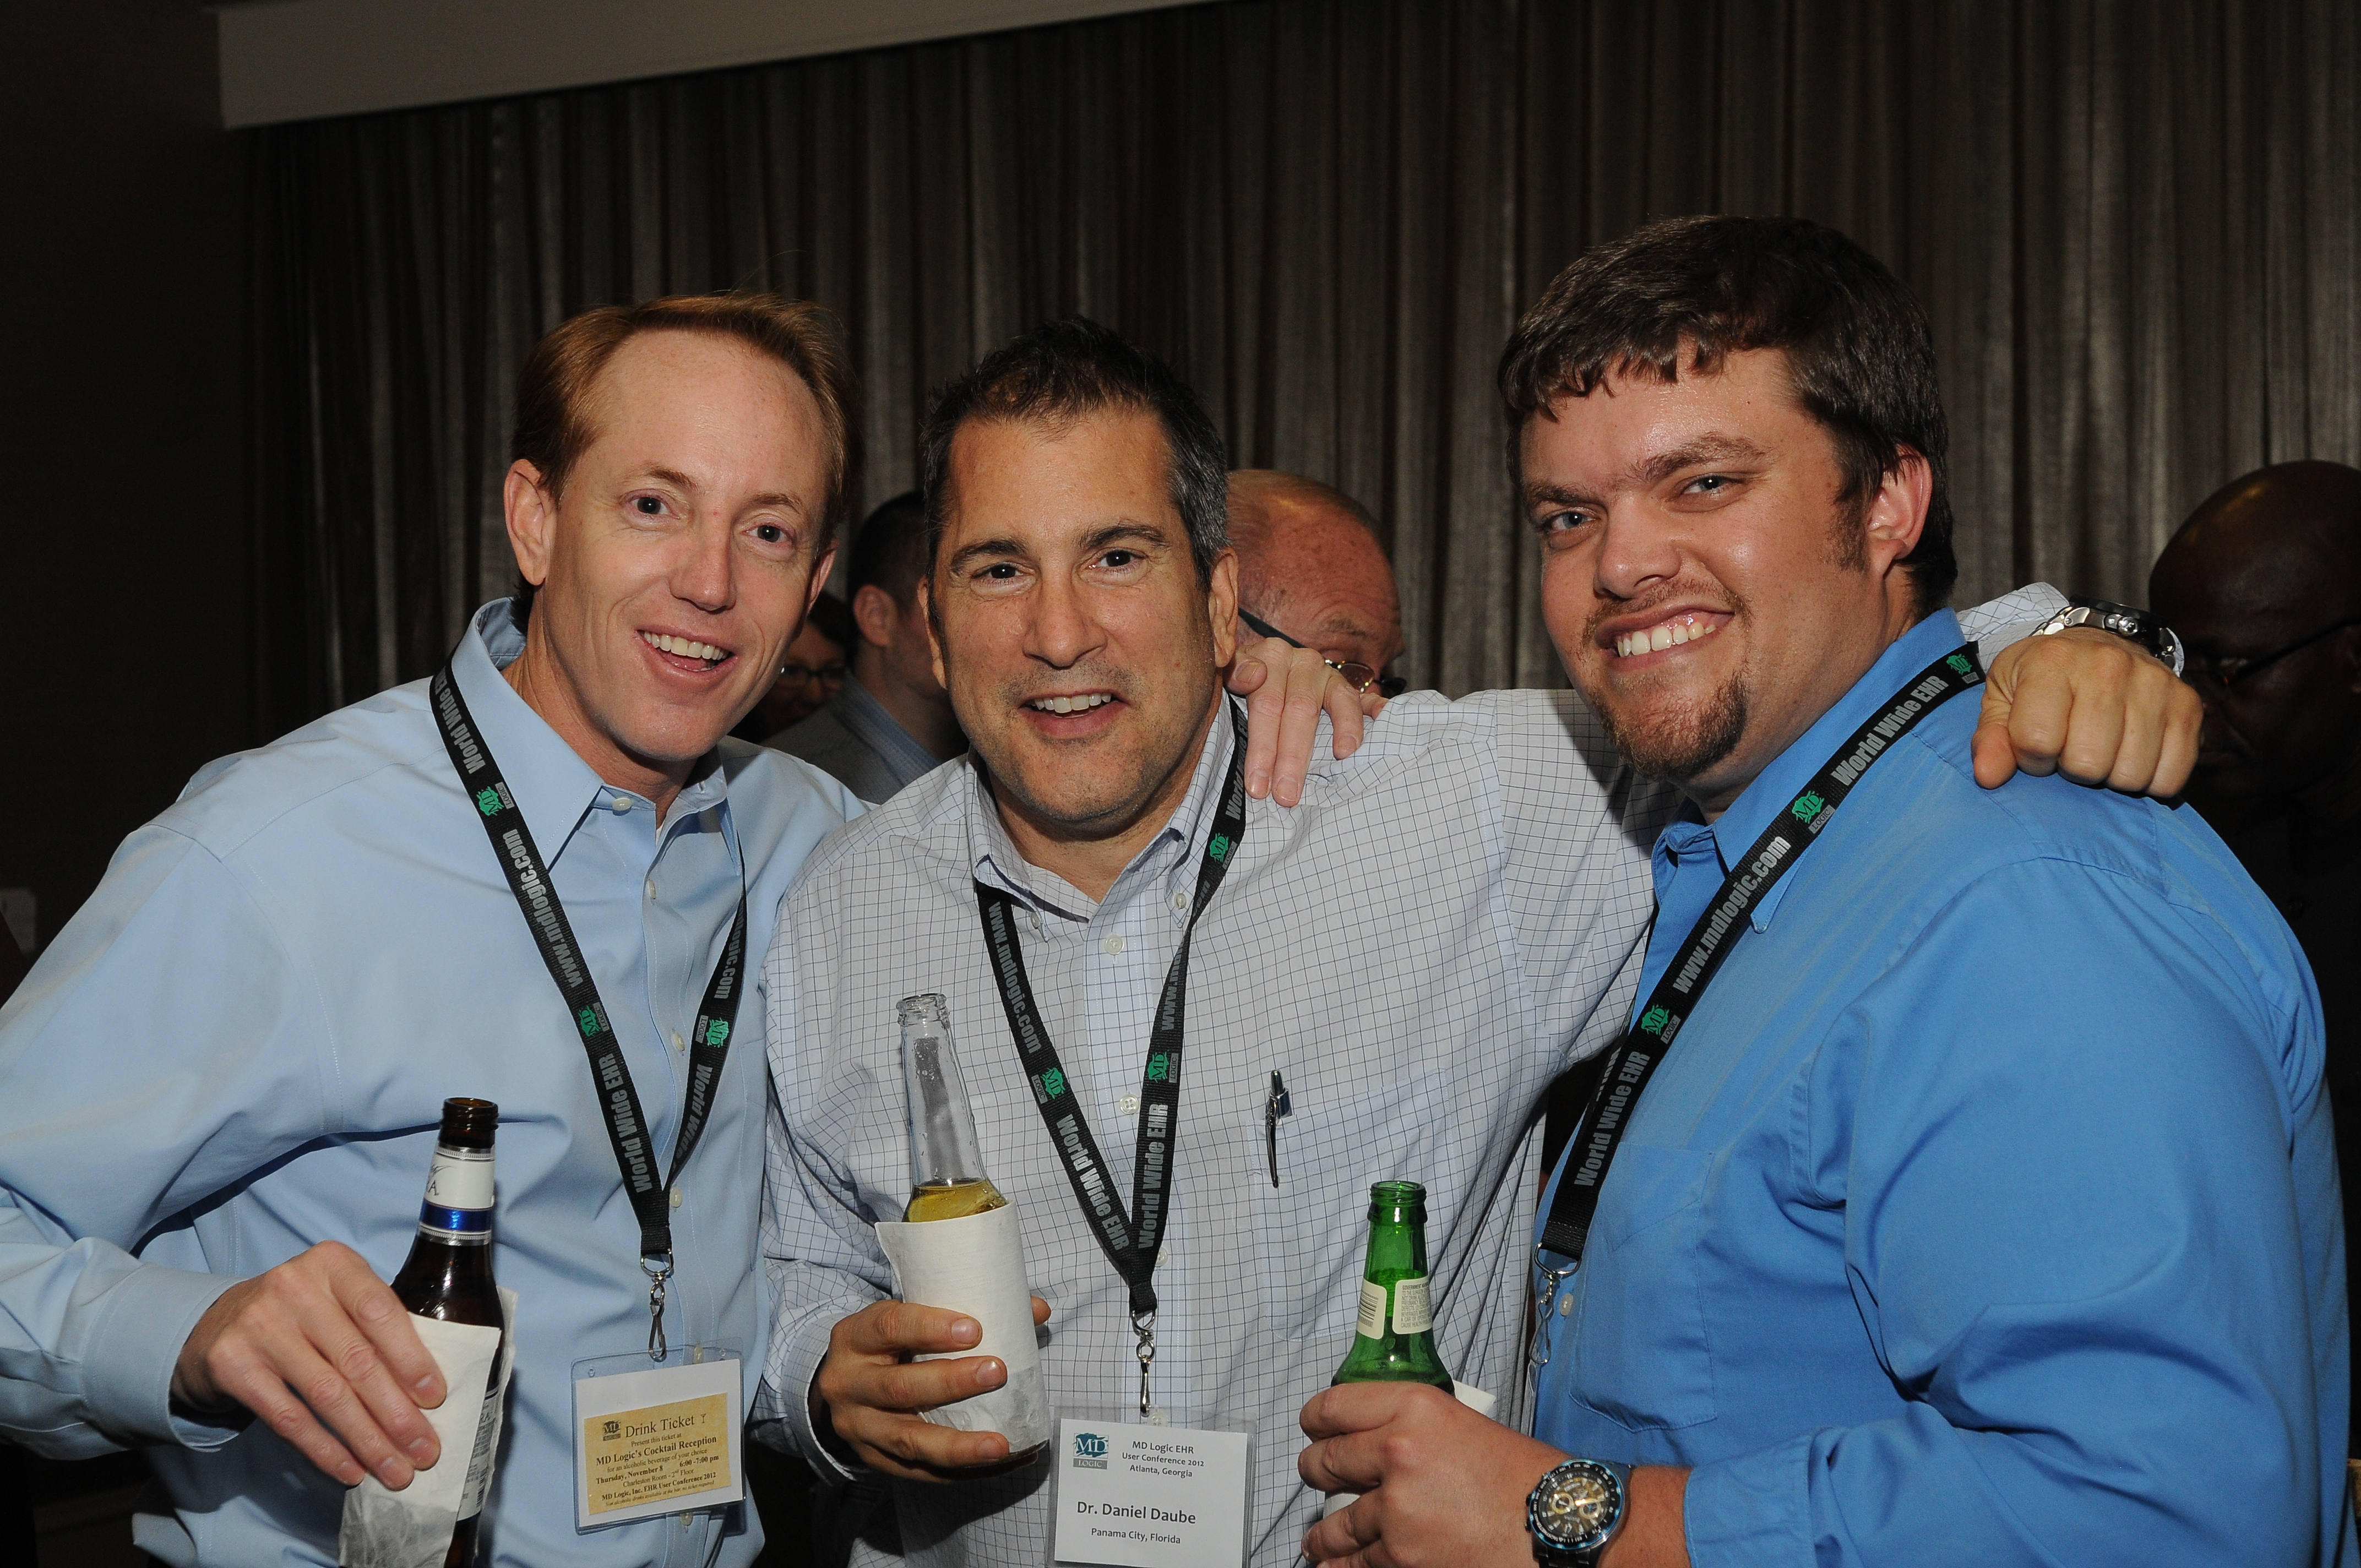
(553, 786)
(867, 720)
(1776, 786)
(998, 864)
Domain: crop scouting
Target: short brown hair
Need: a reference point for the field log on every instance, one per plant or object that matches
(552, 427)
(1063, 370)
(1860, 355)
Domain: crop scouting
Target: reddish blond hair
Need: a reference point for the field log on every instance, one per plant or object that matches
(553, 426)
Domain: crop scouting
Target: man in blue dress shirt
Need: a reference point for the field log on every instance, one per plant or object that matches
(1982, 1209)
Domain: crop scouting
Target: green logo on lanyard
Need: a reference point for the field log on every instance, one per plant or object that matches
(1053, 1083)
(716, 1032)
(1959, 661)
(488, 801)
(1806, 807)
(1156, 1065)
(588, 1019)
(1220, 847)
(1654, 1020)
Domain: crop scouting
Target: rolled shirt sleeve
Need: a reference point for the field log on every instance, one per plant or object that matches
(2071, 1176)
(213, 1044)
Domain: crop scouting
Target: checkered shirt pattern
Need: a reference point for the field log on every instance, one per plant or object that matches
(1454, 913)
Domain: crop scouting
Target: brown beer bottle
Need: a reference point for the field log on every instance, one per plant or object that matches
(449, 1275)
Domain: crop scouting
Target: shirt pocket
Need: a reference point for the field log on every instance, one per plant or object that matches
(1641, 1358)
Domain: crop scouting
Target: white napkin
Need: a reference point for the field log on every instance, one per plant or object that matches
(976, 1266)
(412, 1528)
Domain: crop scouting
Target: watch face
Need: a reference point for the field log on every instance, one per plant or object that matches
(1577, 1503)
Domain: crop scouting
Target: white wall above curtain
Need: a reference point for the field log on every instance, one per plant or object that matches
(2133, 223)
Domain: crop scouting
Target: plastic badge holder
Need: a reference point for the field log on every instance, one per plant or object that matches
(707, 1403)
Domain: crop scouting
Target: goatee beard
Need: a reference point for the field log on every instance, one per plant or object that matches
(1681, 746)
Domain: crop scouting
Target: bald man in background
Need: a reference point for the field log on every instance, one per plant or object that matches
(2263, 583)
(1312, 570)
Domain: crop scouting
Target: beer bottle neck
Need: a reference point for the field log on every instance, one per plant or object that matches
(1397, 1245)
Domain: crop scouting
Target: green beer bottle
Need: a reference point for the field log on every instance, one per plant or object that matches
(1394, 1342)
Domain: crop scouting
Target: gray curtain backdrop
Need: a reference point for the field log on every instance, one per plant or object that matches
(2133, 223)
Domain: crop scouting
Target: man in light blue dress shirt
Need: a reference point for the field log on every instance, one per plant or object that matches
(223, 1080)
(1982, 1209)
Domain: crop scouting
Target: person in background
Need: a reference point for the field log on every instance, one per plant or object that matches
(810, 674)
(1312, 570)
(1981, 1208)
(2263, 584)
(892, 721)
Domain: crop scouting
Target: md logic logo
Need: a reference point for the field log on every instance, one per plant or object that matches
(1090, 1451)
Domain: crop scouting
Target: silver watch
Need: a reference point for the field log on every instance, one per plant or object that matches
(1577, 1511)
(2131, 625)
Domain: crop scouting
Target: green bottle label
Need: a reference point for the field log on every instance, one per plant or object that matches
(1372, 1322)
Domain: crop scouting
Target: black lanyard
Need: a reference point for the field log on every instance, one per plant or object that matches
(1130, 1239)
(1633, 1060)
(618, 1103)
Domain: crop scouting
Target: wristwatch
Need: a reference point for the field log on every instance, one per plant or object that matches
(2131, 625)
(1577, 1511)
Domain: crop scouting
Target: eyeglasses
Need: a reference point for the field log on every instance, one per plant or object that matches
(804, 674)
(2207, 673)
(1357, 675)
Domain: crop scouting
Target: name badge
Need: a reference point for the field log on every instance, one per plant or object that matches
(654, 1438)
(1149, 1496)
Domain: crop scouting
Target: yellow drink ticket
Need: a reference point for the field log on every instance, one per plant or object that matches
(655, 1454)
(655, 1440)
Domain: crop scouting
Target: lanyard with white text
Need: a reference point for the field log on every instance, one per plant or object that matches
(1633, 1059)
(618, 1103)
(1131, 1239)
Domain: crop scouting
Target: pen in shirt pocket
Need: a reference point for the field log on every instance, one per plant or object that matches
(1275, 1107)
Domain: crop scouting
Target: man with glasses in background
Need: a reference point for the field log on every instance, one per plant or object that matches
(1312, 573)
(2263, 583)
(811, 673)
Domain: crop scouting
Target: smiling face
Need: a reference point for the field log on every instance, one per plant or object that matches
(1080, 649)
(678, 560)
(1709, 595)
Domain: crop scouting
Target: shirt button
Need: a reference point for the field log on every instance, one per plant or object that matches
(1113, 944)
(678, 1197)
(677, 1043)
(619, 805)
(1179, 901)
(1130, 1104)
(651, 887)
